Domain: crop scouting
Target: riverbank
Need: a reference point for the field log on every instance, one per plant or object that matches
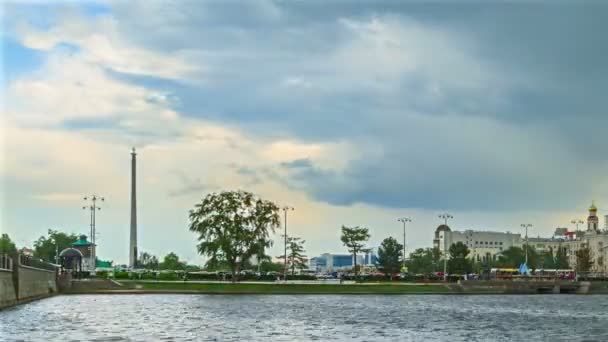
(462, 287)
(267, 288)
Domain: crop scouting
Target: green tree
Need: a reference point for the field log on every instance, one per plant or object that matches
(423, 261)
(7, 246)
(513, 256)
(295, 257)
(561, 259)
(584, 260)
(171, 262)
(46, 248)
(354, 238)
(548, 259)
(269, 266)
(390, 257)
(233, 226)
(458, 262)
(148, 261)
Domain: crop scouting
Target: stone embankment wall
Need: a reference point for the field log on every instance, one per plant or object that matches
(22, 281)
(8, 296)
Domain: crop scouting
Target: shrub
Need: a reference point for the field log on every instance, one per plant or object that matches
(102, 274)
(121, 275)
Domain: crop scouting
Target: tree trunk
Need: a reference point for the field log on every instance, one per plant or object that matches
(355, 263)
(235, 273)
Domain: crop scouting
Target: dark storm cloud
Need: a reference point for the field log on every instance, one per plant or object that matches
(466, 105)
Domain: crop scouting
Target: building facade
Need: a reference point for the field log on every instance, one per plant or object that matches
(328, 262)
(484, 245)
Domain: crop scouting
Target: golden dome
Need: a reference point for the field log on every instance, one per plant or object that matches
(593, 207)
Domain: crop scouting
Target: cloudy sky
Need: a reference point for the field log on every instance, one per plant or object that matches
(354, 114)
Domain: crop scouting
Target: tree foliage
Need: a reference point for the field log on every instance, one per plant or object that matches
(547, 260)
(390, 257)
(514, 256)
(354, 238)
(423, 260)
(7, 246)
(584, 260)
(46, 248)
(171, 262)
(233, 226)
(295, 254)
(148, 261)
(561, 259)
(458, 262)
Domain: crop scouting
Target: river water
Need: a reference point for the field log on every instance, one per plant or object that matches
(307, 318)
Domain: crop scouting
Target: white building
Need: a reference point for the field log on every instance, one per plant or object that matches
(482, 244)
(486, 244)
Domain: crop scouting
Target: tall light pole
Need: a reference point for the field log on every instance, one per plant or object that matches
(526, 226)
(404, 220)
(93, 207)
(576, 222)
(285, 210)
(445, 217)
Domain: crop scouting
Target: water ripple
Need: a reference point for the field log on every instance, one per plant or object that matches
(308, 318)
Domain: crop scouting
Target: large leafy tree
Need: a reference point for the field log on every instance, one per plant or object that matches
(354, 238)
(7, 246)
(171, 262)
(390, 257)
(561, 259)
(46, 247)
(423, 261)
(548, 259)
(148, 261)
(295, 254)
(233, 226)
(584, 260)
(458, 262)
(513, 256)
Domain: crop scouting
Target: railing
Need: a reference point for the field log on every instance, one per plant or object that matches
(29, 261)
(6, 262)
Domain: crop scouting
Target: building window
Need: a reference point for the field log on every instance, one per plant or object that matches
(501, 243)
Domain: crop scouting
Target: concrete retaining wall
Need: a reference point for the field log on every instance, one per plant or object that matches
(35, 282)
(25, 283)
(8, 296)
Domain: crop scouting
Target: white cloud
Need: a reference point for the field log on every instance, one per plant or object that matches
(98, 42)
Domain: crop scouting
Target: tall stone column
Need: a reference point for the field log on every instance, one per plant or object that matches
(133, 237)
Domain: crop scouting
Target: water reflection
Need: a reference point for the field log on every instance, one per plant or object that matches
(308, 318)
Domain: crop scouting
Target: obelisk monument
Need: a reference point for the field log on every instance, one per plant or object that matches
(133, 240)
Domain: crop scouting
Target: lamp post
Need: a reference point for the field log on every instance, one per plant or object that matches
(404, 220)
(285, 210)
(576, 222)
(93, 207)
(526, 226)
(445, 217)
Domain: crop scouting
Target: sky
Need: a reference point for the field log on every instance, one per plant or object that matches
(354, 113)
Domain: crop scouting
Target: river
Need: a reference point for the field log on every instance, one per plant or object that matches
(308, 318)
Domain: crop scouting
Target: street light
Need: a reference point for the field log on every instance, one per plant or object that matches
(93, 207)
(526, 226)
(577, 222)
(404, 220)
(445, 217)
(285, 210)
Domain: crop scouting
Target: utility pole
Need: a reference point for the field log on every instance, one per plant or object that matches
(404, 220)
(445, 217)
(526, 226)
(285, 210)
(93, 207)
